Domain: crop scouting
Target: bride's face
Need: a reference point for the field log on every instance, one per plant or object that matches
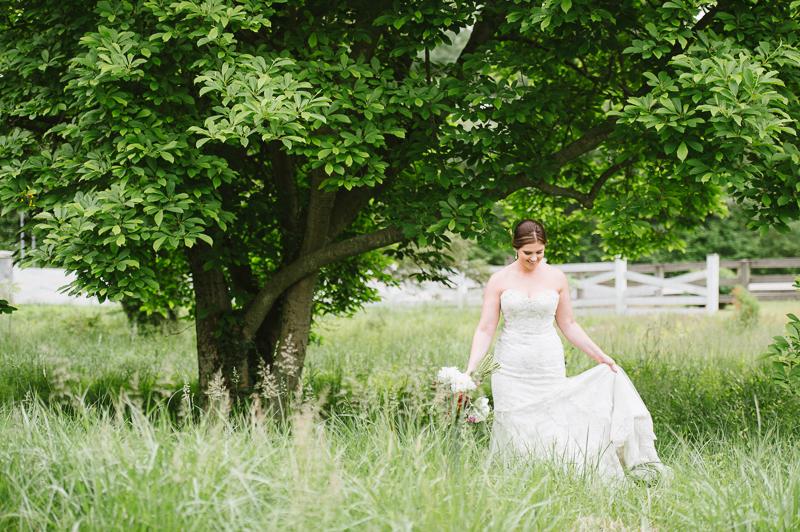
(530, 255)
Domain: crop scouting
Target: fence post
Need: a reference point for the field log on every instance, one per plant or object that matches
(744, 273)
(620, 283)
(461, 289)
(579, 292)
(712, 283)
(660, 275)
(6, 275)
(21, 235)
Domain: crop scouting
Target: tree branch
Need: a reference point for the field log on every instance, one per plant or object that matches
(347, 206)
(605, 176)
(585, 199)
(307, 265)
(585, 143)
(483, 30)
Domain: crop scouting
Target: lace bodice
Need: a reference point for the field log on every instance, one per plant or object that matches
(532, 315)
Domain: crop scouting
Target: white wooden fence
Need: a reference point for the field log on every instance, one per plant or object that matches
(635, 292)
(623, 288)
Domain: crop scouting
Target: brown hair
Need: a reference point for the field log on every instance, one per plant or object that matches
(529, 232)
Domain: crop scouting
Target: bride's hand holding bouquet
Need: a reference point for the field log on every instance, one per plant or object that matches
(457, 395)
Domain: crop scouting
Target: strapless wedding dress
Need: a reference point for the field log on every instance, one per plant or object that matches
(595, 419)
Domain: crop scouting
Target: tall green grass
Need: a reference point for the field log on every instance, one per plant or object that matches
(89, 352)
(90, 471)
(83, 447)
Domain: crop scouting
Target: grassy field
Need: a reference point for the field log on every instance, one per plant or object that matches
(77, 453)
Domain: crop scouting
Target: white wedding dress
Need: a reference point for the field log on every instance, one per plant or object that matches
(595, 419)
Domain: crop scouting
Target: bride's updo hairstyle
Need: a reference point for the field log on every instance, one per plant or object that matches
(529, 232)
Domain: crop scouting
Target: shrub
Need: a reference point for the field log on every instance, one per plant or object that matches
(785, 353)
(747, 310)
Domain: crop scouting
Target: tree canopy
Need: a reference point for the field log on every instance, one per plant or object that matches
(260, 160)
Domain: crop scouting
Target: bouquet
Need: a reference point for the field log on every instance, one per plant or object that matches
(456, 391)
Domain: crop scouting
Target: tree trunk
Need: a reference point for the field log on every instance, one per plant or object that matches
(218, 349)
(265, 344)
(296, 316)
(261, 352)
(298, 300)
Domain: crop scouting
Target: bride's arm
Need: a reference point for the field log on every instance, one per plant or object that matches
(574, 332)
(490, 316)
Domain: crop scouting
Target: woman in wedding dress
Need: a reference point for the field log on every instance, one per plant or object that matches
(595, 419)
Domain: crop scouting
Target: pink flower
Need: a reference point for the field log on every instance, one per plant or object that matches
(470, 419)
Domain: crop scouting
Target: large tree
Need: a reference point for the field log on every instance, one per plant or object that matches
(260, 160)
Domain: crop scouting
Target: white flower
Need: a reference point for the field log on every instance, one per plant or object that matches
(480, 409)
(462, 383)
(446, 376)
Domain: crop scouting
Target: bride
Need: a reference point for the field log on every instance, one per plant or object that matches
(595, 419)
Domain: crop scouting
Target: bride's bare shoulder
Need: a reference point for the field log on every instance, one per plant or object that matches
(502, 273)
(499, 278)
(555, 275)
(552, 270)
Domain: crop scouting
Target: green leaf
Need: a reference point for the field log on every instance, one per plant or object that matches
(6, 308)
(312, 40)
(159, 218)
(683, 151)
(566, 5)
(747, 74)
(213, 34)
